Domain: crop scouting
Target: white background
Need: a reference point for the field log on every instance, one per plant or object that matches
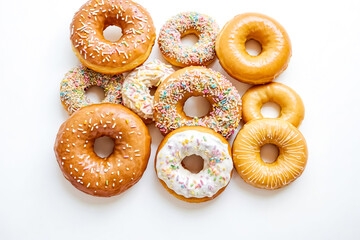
(36, 202)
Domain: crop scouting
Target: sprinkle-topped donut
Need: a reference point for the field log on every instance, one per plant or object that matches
(101, 55)
(202, 53)
(83, 168)
(136, 88)
(197, 81)
(79, 79)
(183, 184)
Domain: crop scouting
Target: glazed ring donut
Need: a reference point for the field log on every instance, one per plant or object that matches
(103, 177)
(288, 166)
(101, 55)
(275, 43)
(136, 88)
(187, 186)
(292, 107)
(172, 94)
(202, 53)
(79, 79)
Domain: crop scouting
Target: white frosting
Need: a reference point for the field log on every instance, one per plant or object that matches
(217, 169)
(136, 87)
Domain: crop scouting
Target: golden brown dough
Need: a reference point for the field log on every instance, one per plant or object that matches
(101, 55)
(272, 60)
(288, 166)
(103, 177)
(292, 107)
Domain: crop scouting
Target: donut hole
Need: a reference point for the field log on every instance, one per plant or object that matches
(104, 146)
(270, 110)
(112, 33)
(193, 163)
(152, 90)
(96, 94)
(253, 47)
(269, 153)
(189, 40)
(196, 107)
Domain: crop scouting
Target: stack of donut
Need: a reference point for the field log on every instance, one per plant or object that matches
(128, 105)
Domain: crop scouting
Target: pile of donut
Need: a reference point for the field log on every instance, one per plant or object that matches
(128, 105)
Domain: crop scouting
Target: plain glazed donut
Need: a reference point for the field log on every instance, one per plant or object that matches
(292, 107)
(137, 84)
(79, 79)
(288, 166)
(172, 94)
(201, 53)
(103, 177)
(275, 43)
(101, 55)
(181, 183)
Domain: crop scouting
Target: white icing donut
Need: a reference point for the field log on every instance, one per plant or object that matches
(217, 169)
(136, 87)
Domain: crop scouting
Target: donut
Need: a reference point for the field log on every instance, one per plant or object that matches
(292, 107)
(79, 79)
(103, 177)
(273, 58)
(201, 53)
(288, 166)
(181, 183)
(171, 95)
(136, 88)
(101, 55)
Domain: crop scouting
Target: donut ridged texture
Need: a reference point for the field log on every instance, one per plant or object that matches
(288, 166)
(90, 173)
(171, 95)
(101, 55)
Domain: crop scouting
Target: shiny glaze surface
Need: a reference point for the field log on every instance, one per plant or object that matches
(292, 107)
(104, 56)
(105, 177)
(288, 166)
(272, 60)
(163, 144)
(136, 89)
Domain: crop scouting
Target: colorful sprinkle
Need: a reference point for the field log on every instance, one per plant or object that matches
(138, 29)
(136, 87)
(226, 111)
(202, 52)
(79, 79)
(217, 162)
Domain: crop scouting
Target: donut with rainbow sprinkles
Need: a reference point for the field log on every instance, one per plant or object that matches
(183, 184)
(79, 79)
(201, 53)
(136, 89)
(172, 94)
